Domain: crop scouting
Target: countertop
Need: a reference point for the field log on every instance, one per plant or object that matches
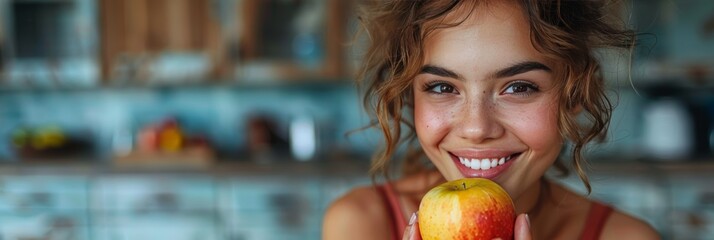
(351, 167)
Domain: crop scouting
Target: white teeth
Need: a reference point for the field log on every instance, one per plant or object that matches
(483, 164)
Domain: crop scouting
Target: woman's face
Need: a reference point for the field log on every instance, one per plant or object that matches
(485, 103)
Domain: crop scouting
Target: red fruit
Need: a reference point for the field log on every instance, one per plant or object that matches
(470, 208)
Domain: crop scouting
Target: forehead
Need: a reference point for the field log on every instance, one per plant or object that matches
(495, 30)
(480, 19)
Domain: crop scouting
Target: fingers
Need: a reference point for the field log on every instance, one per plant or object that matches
(522, 230)
(412, 230)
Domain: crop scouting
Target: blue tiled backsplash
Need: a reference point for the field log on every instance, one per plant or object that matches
(219, 112)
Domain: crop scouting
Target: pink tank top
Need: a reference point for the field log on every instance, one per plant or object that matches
(594, 223)
(395, 210)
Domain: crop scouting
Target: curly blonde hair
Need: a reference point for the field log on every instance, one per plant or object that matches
(564, 31)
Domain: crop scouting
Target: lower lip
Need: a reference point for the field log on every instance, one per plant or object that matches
(490, 173)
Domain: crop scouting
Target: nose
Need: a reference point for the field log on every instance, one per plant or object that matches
(479, 121)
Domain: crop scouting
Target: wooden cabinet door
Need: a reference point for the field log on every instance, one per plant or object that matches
(281, 32)
(140, 27)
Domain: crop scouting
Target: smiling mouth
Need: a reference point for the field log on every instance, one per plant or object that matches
(486, 163)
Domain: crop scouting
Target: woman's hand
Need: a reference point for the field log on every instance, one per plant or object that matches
(521, 231)
(412, 230)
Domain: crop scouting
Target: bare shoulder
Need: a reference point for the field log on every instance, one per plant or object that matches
(359, 214)
(623, 226)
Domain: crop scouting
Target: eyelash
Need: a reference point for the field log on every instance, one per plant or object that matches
(531, 88)
(429, 86)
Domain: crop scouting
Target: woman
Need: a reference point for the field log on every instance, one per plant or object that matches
(491, 89)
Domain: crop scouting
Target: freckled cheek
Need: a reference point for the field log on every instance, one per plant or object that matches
(430, 121)
(537, 127)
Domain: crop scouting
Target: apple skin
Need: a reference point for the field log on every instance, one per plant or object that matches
(469, 208)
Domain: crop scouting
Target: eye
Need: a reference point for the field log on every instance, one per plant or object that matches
(520, 88)
(439, 88)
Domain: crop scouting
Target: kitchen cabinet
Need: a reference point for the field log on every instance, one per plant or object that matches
(44, 207)
(157, 41)
(163, 226)
(44, 226)
(150, 207)
(144, 40)
(233, 203)
(146, 194)
(31, 194)
(692, 209)
(294, 39)
(87, 43)
(45, 44)
(261, 202)
(674, 198)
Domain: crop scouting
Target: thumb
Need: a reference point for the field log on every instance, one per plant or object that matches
(522, 229)
(412, 230)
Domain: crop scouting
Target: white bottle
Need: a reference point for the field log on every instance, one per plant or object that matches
(668, 130)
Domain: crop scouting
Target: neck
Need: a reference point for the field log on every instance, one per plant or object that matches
(530, 202)
(543, 203)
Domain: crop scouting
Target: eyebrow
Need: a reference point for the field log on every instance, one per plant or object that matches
(439, 71)
(522, 67)
(513, 70)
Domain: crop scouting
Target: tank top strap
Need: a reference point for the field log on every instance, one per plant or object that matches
(595, 222)
(391, 202)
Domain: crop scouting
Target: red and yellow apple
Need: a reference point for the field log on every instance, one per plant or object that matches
(470, 208)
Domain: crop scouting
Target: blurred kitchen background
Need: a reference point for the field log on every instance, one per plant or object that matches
(228, 119)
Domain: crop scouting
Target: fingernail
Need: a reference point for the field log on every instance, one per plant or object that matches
(412, 220)
(528, 220)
